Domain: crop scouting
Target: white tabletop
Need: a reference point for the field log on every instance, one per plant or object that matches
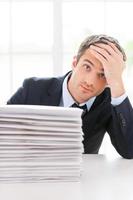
(101, 179)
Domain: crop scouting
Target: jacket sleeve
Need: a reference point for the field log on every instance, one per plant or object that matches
(120, 128)
(21, 94)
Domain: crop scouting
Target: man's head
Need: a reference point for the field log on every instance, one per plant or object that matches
(93, 39)
(87, 79)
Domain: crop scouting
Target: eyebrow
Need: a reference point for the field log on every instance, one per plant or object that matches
(89, 62)
(102, 70)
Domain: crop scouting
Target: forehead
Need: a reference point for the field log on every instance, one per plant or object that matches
(91, 59)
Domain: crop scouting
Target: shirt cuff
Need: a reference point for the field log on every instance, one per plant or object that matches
(115, 101)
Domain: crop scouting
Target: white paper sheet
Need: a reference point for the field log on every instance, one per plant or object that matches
(40, 143)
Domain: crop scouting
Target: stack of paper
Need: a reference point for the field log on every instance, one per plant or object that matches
(40, 143)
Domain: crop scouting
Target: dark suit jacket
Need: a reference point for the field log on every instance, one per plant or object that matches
(102, 117)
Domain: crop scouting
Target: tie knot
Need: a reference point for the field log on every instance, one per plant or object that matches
(84, 107)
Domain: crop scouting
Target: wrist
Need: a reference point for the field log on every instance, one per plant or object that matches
(117, 89)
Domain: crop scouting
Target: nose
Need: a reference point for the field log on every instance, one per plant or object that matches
(90, 79)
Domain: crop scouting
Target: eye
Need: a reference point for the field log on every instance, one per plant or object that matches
(87, 67)
(101, 75)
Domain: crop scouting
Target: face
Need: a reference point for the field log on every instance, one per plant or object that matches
(87, 79)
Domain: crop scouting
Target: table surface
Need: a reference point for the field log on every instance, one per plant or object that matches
(101, 179)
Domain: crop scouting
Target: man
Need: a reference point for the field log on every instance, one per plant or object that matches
(95, 82)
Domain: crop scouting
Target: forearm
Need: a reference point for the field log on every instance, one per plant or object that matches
(121, 128)
(117, 88)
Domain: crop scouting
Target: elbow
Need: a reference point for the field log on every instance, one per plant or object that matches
(128, 155)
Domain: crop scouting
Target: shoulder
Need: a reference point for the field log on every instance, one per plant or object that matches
(40, 82)
(43, 82)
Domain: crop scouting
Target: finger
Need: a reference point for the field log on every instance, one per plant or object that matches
(117, 49)
(99, 56)
(101, 51)
(111, 51)
(109, 48)
(113, 46)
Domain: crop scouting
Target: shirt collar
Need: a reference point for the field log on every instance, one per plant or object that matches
(68, 100)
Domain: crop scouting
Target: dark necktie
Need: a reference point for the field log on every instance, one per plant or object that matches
(84, 108)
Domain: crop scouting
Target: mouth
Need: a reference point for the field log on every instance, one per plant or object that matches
(86, 89)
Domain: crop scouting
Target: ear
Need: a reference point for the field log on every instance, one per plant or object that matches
(74, 62)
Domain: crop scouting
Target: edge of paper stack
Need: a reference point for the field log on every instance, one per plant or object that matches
(40, 143)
